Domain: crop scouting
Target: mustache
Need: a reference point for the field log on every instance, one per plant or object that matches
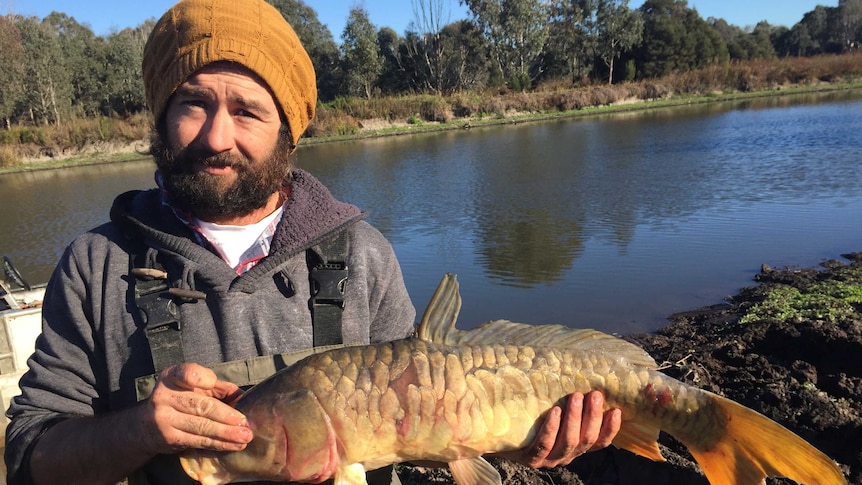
(187, 158)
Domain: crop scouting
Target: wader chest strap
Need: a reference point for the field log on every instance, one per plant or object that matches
(243, 373)
(159, 312)
(328, 278)
(328, 273)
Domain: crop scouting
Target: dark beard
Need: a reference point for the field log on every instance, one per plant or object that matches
(207, 196)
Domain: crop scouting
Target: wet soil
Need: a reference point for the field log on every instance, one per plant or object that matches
(803, 373)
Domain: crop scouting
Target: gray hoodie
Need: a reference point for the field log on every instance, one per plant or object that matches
(92, 346)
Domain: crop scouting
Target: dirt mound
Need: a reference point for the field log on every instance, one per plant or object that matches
(796, 359)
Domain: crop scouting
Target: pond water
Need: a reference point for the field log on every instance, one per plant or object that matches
(611, 222)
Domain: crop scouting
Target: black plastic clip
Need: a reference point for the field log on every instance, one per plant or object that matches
(327, 281)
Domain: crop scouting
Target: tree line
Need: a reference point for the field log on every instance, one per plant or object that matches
(56, 69)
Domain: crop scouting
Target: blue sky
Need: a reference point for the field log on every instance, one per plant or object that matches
(104, 16)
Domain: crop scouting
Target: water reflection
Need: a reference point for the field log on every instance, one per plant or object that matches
(612, 222)
(619, 219)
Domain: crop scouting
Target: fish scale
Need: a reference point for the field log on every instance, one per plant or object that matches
(452, 396)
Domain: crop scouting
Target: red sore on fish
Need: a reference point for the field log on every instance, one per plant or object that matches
(661, 398)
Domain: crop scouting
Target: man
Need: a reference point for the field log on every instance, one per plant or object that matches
(237, 255)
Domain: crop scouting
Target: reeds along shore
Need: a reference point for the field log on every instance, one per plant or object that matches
(347, 116)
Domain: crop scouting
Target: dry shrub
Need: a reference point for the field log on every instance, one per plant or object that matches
(8, 156)
(654, 90)
(436, 109)
(741, 77)
(691, 82)
(602, 96)
(635, 90)
(848, 66)
(560, 85)
(331, 122)
(493, 106)
(358, 108)
(760, 74)
(29, 150)
(521, 102)
(466, 105)
(546, 101)
(134, 127)
(571, 100)
(411, 106)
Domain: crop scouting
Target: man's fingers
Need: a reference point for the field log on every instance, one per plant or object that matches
(187, 419)
(582, 425)
(578, 428)
(206, 407)
(186, 410)
(189, 377)
(591, 423)
(226, 391)
(197, 432)
(537, 453)
(567, 446)
(611, 423)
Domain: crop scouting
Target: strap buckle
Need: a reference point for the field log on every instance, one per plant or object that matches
(327, 282)
(161, 323)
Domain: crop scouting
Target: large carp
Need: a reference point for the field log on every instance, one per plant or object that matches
(451, 396)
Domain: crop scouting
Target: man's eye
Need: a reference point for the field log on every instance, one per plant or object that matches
(194, 103)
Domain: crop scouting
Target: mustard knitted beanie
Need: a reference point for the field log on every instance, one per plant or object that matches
(194, 33)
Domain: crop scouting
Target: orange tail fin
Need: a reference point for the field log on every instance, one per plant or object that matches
(755, 447)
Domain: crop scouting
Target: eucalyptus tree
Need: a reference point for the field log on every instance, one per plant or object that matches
(442, 57)
(824, 30)
(665, 47)
(47, 98)
(361, 57)
(570, 46)
(83, 58)
(816, 23)
(517, 31)
(849, 28)
(468, 63)
(761, 41)
(739, 43)
(797, 42)
(676, 39)
(12, 71)
(123, 92)
(424, 45)
(395, 75)
(619, 28)
(318, 42)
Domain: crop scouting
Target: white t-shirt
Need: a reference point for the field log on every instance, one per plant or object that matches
(232, 242)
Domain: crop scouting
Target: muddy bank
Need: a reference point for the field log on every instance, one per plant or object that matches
(800, 366)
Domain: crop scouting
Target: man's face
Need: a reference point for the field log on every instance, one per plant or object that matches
(221, 152)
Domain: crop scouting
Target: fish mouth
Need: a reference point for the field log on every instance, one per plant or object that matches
(205, 469)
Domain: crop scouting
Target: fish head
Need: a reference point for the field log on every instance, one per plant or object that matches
(293, 441)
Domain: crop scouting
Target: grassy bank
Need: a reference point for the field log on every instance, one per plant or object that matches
(83, 141)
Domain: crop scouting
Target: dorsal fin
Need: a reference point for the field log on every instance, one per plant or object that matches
(438, 325)
(442, 312)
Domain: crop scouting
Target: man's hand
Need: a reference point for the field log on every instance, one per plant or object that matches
(568, 433)
(189, 408)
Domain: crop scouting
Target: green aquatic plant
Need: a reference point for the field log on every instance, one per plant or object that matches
(832, 300)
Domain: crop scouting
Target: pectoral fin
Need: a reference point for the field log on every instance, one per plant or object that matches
(474, 471)
(350, 475)
(639, 438)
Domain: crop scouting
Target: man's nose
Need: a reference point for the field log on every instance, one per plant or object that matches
(217, 134)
